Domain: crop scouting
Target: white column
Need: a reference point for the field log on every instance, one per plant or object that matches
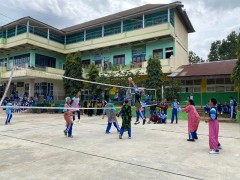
(102, 30)
(143, 23)
(48, 34)
(122, 26)
(65, 40)
(84, 35)
(27, 26)
(168, 15)
(16, 30)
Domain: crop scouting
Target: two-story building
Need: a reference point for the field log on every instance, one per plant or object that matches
(123, 39)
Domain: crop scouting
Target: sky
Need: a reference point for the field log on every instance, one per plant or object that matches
(211, 19)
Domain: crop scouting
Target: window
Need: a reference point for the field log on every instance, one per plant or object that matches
(85, 63)
(119, 59)
(229, 88)
(138, 59)
(21, 60)
(228, 81)
(197, 89)
(189, 82)
(220, 81)
(197, 82)
(158, 53)
(43, 89)
(210, 81)
(189, 89)
(169, 52)
(98, 63)
(183, 82)
(220, 89)
(210, 89)
(45, 61)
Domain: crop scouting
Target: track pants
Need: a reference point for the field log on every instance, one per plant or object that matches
(9, 117)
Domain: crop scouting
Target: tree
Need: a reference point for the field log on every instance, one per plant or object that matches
(236, 71)
(214, 51)
(92, 76)
(173, 90)
(73, 69)
(225, 49)
(154, 75)
(193, 58)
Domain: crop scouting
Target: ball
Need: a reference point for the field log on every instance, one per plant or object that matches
(129, 79)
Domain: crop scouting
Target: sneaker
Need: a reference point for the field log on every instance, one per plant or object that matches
(214, 152)
(70, 136)
(195, 137)
(65, 132)
(192, 140)
(144, 121)
(137, 122)
(107, 132)
(120, 136)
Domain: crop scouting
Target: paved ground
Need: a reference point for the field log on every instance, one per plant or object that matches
(34, 147)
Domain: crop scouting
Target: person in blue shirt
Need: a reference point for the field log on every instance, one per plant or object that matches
(231, 107)
(163, 117)
(9, 113)
(175, 104)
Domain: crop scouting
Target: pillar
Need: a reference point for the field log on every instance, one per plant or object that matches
(28, 26)
(203, 91)
(102, 30)
(16, 29)
(31, 88)
(48, 34)
(169, 15)
(84, 35)
(143, 23)
(32, 58)
(121, 26)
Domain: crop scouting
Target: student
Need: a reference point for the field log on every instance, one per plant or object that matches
(99, 105)
(175, 111)
(111, 117)
(154, 118)
(219, 108)
(76, 104)
(91, 105)
(126, 120)
(68, 117)
(206, 108)
(9, 113)
(163, 117)
(193, 120)
(231, 107)
(225, 108)
(213, 123)
(138, 94)
(164, 106)
(153, 107)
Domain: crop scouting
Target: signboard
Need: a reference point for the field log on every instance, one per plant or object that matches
(138, 51)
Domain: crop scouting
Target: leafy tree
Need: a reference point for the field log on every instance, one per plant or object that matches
(214, 51)
(73, 69)
(225, 49)
(154, 75)
(92, 76)
(193, 58)
(173, 90)
(236, 71)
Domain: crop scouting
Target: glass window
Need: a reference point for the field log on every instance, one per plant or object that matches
(220, 89)
(45, 61)
(169, 52)
(220, 81)
(197, 89)
(158, 53)
(210, 89)
(189, 82)
(197, 82)
(183, 82)
(228, 81)
(119, 59)
(189, 89)
(98, 63)
(210, 81)
(229, 88)
(85, 63)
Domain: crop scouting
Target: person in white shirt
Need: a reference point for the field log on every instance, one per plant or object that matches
(76, 104)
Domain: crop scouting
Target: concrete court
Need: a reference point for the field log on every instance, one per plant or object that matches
(34, 147)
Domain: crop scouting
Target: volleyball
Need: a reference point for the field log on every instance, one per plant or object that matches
(130, 79)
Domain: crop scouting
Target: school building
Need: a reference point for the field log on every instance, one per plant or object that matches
(123, 40)
(206, 81)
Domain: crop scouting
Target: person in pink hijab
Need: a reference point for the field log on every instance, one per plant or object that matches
(193, 120)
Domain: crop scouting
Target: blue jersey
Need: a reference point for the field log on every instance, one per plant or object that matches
(175, 105)
(8, 109)
(231, 102)
(213, 113)
(162, 116)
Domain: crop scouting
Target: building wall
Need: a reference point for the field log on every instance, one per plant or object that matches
(181, 57)
(180, 31)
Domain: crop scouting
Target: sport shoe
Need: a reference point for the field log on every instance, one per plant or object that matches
(70, 136)
(107, 132)
(214, 152)
(120, 136)
(192, 140)
(137, 122)
(65, 132)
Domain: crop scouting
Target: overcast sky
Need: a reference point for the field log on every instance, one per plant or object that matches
(212, 19)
